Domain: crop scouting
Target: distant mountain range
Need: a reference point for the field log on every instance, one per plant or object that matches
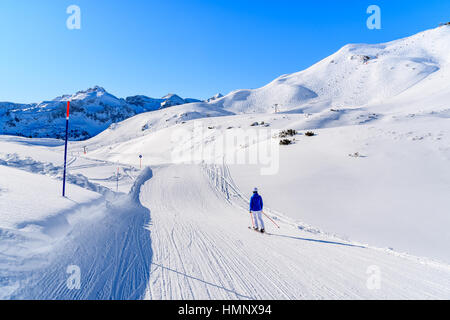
(92, 111)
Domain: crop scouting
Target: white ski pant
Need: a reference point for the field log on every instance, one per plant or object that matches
(257, 217)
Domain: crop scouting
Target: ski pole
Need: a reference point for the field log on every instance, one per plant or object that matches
(270, 219)
(251, 218)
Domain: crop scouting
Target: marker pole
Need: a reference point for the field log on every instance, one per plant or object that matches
(65, 149)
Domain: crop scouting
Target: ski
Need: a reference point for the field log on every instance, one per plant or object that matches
(257, 231)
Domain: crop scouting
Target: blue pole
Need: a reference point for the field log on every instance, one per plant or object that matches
(65, 149)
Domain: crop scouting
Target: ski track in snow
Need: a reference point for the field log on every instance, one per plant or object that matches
(107, 240)
(197, 246)
(202, 249)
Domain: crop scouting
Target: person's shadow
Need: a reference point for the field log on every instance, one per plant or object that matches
(203, 281)
(319, 241)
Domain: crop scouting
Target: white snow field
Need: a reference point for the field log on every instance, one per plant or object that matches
(362, 205)
(202, 249)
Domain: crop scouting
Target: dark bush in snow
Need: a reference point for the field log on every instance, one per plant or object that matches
(289, 132)
(285, 142)
(362, 58)
(365, 58)
(310, 134)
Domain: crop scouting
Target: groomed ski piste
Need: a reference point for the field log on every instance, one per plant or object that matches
(373, 225)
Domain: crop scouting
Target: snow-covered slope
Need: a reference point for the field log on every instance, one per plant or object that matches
(356, 75)
(181, 233)
(202, 249)
(401, 172)
(92, 111)
(22, 201)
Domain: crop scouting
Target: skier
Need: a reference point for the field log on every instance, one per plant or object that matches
(256, 207)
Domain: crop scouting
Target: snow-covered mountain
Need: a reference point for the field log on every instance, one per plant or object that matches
(358, 84)
(355, 76)
(92, 111)
(215, 97)
(151, 104)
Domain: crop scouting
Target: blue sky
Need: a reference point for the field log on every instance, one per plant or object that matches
(193, 48)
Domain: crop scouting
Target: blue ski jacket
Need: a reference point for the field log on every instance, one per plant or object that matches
(256, 203)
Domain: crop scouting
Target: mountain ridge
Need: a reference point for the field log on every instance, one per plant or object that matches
(92, 111)
(354, 76)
